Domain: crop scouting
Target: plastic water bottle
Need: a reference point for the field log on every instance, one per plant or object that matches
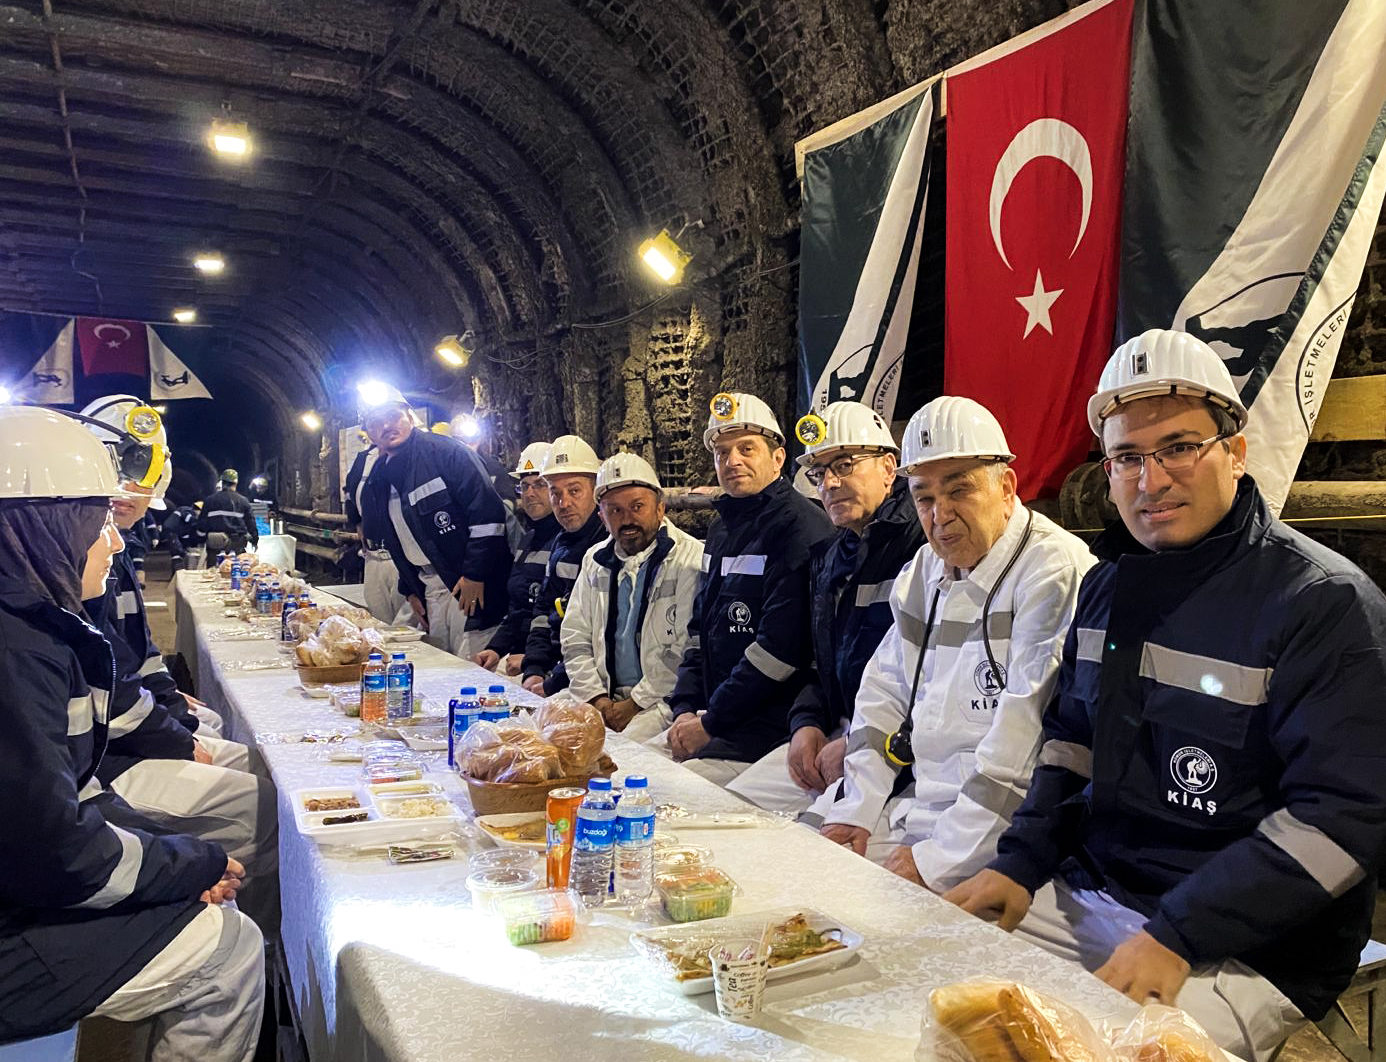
(495, 708)
(290, 604)
(593, 840)
(635, 827)
(399, 688)
(276, 600)
(373, 693)
(235, 577)
(221, 557)
(263, 597)
(463, 710)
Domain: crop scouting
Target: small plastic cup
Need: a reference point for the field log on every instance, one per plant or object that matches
(490, 885)
(739, 968)
(505, 858)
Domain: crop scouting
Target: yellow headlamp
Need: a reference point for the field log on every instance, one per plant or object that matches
(723, 405)
(811, 429)
(143, 422)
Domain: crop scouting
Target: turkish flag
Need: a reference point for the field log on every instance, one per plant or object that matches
(1036, 153)
(112, 346)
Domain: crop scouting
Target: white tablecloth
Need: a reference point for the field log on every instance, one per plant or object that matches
(392, 963)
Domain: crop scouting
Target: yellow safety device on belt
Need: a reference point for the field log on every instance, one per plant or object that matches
(811, 429)
(558, 606)
(723, 406)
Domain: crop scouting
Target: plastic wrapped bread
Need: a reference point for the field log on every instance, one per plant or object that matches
(1165, 1034)
(998, 1021)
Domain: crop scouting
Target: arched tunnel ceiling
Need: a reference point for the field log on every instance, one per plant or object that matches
(421, 166)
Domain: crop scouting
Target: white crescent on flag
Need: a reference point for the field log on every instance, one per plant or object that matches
(1042, 138)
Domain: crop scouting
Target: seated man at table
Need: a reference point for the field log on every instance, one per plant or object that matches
(570, 474)
(505, 652)
(749, 634)
(444, 524)
(626, 626)
(1206, 823)
(851, 460)
(947, 722)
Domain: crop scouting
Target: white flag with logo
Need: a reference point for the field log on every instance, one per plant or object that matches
(50, 381)
(168, 377)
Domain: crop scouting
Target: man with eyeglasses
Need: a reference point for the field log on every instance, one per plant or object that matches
(531, 562)
(850, 458)
(750, 626)
(444, 524)
(946, 719)
(1206, 822)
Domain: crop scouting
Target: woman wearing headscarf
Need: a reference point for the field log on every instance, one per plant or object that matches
(101, 912)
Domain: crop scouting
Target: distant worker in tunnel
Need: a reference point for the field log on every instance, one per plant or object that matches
(570, 475)
(750, 648)
(384, 599)
(444, 525)
(226, 518)
(506, 650)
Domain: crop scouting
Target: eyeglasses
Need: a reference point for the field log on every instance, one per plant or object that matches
(840, 468)
(531, 485)
(1179, 457)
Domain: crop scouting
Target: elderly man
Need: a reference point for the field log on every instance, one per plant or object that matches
(444, 525)
(624, 657)
(850, 459)
(955, 691)
(1206, 823)
(750, 646)
(531, 562)
(570, 474)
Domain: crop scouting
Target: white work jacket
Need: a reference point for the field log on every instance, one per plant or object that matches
(667, 605)
(975, 744)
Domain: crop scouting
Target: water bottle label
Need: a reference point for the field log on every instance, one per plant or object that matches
(373, 682)
(633, 830)
(594, 833)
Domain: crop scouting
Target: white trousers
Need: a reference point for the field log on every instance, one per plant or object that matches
(648, 723)
(1241, 1010)
(234, 809)
(383, 599)
(205, 991)
(206, 720)
(447, 623)
(718, 772)
(767, 784)
(225, 753)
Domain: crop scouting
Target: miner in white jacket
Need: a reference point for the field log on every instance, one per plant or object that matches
(946, 724)
(624, 657)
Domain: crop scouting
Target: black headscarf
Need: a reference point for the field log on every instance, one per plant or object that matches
(44, 543)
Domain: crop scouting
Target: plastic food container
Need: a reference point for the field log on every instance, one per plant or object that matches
(421, 806)
(539, 917)
(506, 859)
(493, 883)
(694, 893)
(681, 857)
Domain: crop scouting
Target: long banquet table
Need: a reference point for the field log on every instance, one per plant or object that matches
(391, 962)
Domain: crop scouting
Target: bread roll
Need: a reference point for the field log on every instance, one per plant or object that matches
(972, 1013)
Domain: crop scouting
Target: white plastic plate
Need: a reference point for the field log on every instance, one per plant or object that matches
(486, 822)
(376, 829)
(743, 925)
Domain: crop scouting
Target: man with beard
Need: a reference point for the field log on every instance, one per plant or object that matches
(626, 627)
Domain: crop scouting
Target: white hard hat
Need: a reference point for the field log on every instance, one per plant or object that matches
(44, 454)
(626, 470)
(737, 411)
(532, 459)
(952, 427)
(373, 395)
(128, 416)
(570, 455)
(1163, 362)
(841, 425)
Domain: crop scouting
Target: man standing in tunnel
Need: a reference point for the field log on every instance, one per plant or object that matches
(384, 600)
(444, 525)
(226, 518)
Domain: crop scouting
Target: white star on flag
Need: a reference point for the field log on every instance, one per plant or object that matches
(1037, 306)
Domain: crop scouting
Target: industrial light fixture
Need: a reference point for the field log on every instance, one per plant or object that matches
(209, 262)
(311, 420)
(455, 350)
(664, 257)
(228, 138)
(185, 315)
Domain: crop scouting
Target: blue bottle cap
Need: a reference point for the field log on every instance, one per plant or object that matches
(396, 656)
(600, 785)
(495, 689)
(636, 781)
(377, 656)
(467, 689)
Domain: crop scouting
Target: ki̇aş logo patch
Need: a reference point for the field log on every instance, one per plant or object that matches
(1194, 773)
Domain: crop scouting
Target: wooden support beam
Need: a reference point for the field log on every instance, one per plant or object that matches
(1354, 408)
